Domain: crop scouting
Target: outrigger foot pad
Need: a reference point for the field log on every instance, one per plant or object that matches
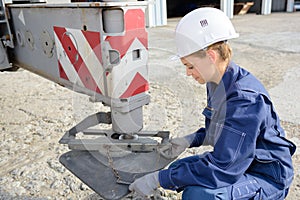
(100, 178)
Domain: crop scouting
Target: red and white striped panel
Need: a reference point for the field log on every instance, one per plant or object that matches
(79, 57)
(130, 77)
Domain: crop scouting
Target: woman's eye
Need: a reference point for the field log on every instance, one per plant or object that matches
(190, 67)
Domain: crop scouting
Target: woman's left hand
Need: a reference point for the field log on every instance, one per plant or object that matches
(146, 185)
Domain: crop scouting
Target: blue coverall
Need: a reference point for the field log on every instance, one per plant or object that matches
(251, 158)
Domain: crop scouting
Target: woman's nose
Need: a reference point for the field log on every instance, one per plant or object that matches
(188, 72)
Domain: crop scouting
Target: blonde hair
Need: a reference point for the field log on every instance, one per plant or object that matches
(223, 49)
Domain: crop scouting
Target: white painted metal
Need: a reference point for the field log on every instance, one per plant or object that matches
(150, 13)
(58, 1)
(266, 7)
(156, 13)
(164, 12)
(227, 7)
(290, 6)
(29, 1)
(75, 46)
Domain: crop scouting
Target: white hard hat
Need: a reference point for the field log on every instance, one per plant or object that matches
(201, 28)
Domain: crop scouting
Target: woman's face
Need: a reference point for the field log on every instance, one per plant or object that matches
(201, 69)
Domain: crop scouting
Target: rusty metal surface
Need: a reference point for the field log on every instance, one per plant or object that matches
(81, 5)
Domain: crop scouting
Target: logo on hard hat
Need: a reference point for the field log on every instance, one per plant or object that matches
(203, 23)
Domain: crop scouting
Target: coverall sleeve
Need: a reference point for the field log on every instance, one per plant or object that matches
(196, 139)
(233, 151)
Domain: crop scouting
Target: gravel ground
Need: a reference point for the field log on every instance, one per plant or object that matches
(35, 112)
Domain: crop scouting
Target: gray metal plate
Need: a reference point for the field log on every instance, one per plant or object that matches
(97, 176)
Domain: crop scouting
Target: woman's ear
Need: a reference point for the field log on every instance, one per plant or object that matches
(212, 55)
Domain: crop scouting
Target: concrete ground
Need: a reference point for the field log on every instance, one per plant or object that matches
(34, 112)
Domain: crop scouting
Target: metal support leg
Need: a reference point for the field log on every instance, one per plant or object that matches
(92, 120)
(110, 162)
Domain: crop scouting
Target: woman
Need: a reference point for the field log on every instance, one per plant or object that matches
(251, 158)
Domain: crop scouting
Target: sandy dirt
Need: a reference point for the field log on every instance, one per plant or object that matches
(35, 113)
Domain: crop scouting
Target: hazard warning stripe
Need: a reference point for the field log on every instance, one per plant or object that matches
(62, 71)
(76, 59)
(135, 37)
(124, 74)
(80, 57)
(68, 73)
(93, 38)
(139, 82)
(89, 56)
(137, 85)
(134, 28)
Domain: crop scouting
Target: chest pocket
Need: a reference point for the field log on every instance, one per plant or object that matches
(228, 147)
(208, 112)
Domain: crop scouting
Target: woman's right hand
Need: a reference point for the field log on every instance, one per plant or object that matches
(178, 145)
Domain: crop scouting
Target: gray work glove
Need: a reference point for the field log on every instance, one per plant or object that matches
(146, 185)
(178, 145)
